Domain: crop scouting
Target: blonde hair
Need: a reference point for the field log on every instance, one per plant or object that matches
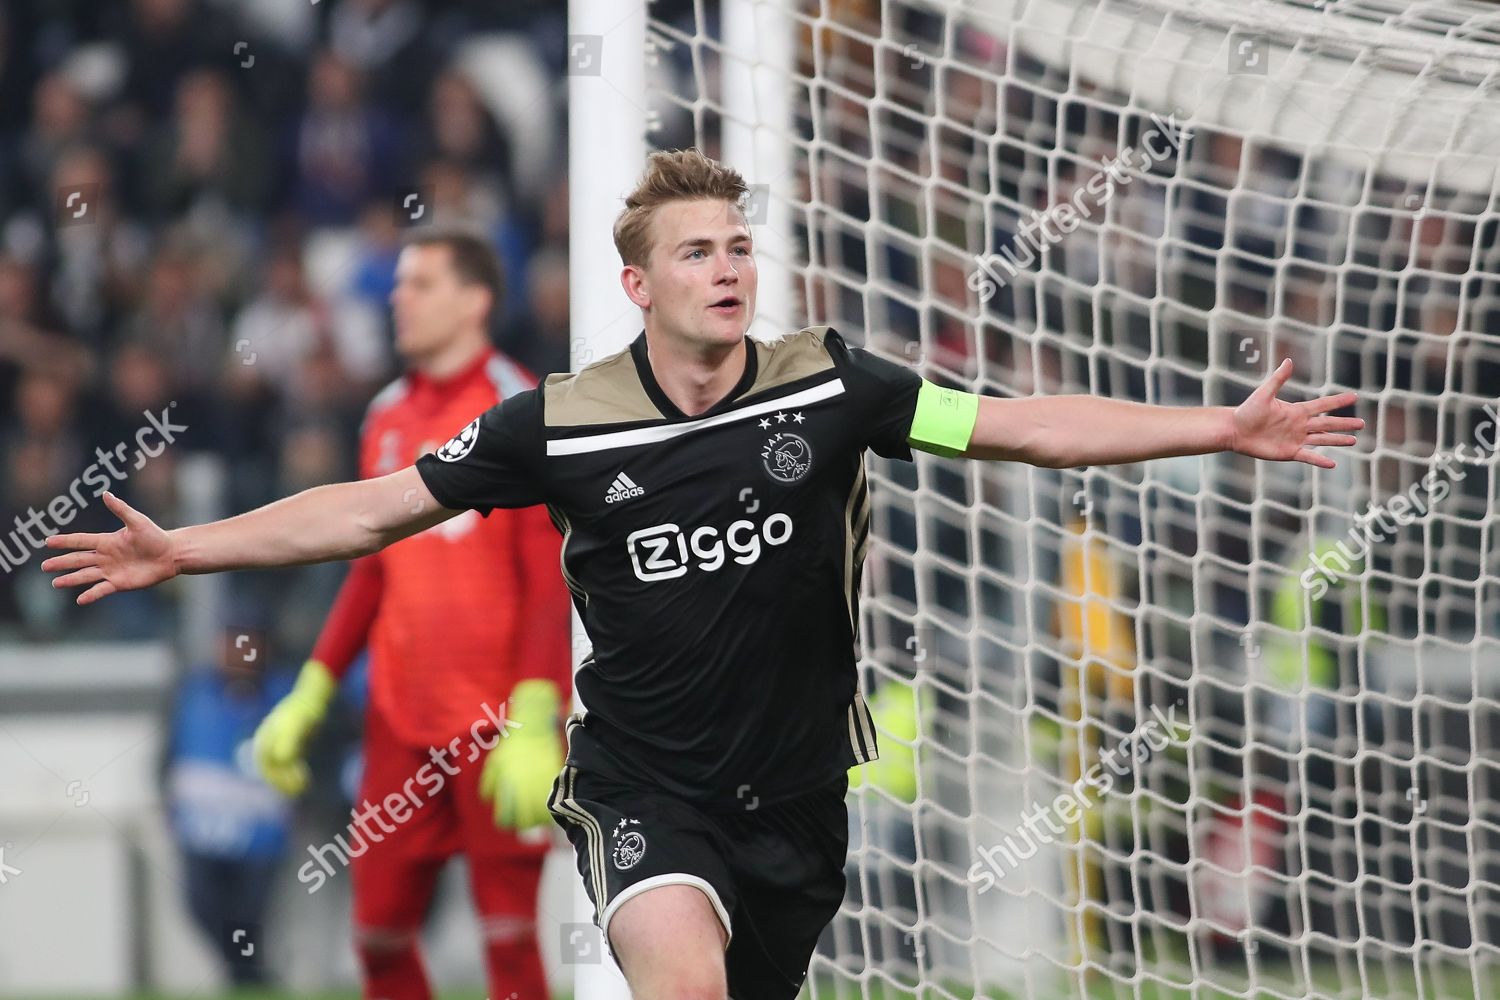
(672, 175)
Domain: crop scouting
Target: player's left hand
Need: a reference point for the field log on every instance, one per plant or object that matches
(519, 772)
(1274, 429)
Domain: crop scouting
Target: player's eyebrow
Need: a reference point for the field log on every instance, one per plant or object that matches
(707, 241)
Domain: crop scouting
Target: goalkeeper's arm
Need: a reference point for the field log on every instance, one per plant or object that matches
(322, 524)
(1063, 432)
(281, 738)
(518, 773)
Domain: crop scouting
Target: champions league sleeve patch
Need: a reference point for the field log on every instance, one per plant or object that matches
(461, 444)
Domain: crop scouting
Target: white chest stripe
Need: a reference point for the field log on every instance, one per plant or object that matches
(666, 432)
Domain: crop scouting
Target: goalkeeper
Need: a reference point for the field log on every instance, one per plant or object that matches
(456, 619)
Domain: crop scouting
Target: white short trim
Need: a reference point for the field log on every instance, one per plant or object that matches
(656, 882)
(666, 432)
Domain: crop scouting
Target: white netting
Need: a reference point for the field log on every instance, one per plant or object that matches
(1155, 201)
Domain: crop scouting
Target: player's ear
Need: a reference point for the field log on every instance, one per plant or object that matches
(633, 280)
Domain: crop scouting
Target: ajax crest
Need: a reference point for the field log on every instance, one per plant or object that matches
(787, 457)
(630, 846)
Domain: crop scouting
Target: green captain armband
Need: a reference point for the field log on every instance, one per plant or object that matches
(944, 420)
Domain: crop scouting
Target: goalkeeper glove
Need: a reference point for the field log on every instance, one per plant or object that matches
(280, 738)
(518, 774)
(897, 709)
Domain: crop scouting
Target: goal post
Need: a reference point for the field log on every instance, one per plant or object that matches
(607, 122)
(1201, 726)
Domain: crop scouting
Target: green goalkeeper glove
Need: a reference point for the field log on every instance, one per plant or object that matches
(897, 711)
(280, 739)
(518, 774)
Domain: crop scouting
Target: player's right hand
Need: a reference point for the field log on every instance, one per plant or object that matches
(139, 555)
(281, 738)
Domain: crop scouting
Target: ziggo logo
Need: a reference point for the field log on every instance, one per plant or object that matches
(661, 552)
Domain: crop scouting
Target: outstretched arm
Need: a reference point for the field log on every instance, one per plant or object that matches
(1063, 432)
(325, 523)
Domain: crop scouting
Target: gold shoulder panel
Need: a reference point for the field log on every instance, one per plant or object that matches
(793, 357)
(606, 392)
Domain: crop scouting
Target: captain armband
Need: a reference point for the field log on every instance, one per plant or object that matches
(944, 420)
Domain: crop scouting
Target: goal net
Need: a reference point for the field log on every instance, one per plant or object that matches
(1197, 727)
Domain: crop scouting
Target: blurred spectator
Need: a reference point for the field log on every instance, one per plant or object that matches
(177, 321)
(384, 39)
(286, 324)
(96, 250)
(207, 157)
(540, 338)
(164, 39)
(41, 453)
(139, 387)
(59, 121)
(43, 448)
(345, 151)
(460, 130)
(19, 302)
(137, 380)
(25, 345)
(231, 828)
(379, 246)
(457, 198)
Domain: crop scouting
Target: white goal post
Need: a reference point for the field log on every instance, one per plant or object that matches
(1198, 727)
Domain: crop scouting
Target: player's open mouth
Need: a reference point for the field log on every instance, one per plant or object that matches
(725, 306)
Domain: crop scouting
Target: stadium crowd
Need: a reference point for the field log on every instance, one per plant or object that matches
(201, 202)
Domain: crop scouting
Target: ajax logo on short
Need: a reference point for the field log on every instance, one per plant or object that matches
(630, 845)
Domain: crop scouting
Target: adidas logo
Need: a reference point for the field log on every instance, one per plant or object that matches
(623, 488)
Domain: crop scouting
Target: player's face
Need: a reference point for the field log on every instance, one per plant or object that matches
(700, 281)
(431, 305)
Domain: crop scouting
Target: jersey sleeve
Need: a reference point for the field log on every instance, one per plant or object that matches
(883, 395)
(496, 461)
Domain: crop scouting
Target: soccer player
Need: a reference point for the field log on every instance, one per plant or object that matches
(712, 498)
(455, 618)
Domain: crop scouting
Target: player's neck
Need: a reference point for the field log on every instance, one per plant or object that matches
(451, 359)
(695, 377)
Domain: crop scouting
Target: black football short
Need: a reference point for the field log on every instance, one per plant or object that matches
(774, 872)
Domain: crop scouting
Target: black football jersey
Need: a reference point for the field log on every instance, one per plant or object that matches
(714, 559)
